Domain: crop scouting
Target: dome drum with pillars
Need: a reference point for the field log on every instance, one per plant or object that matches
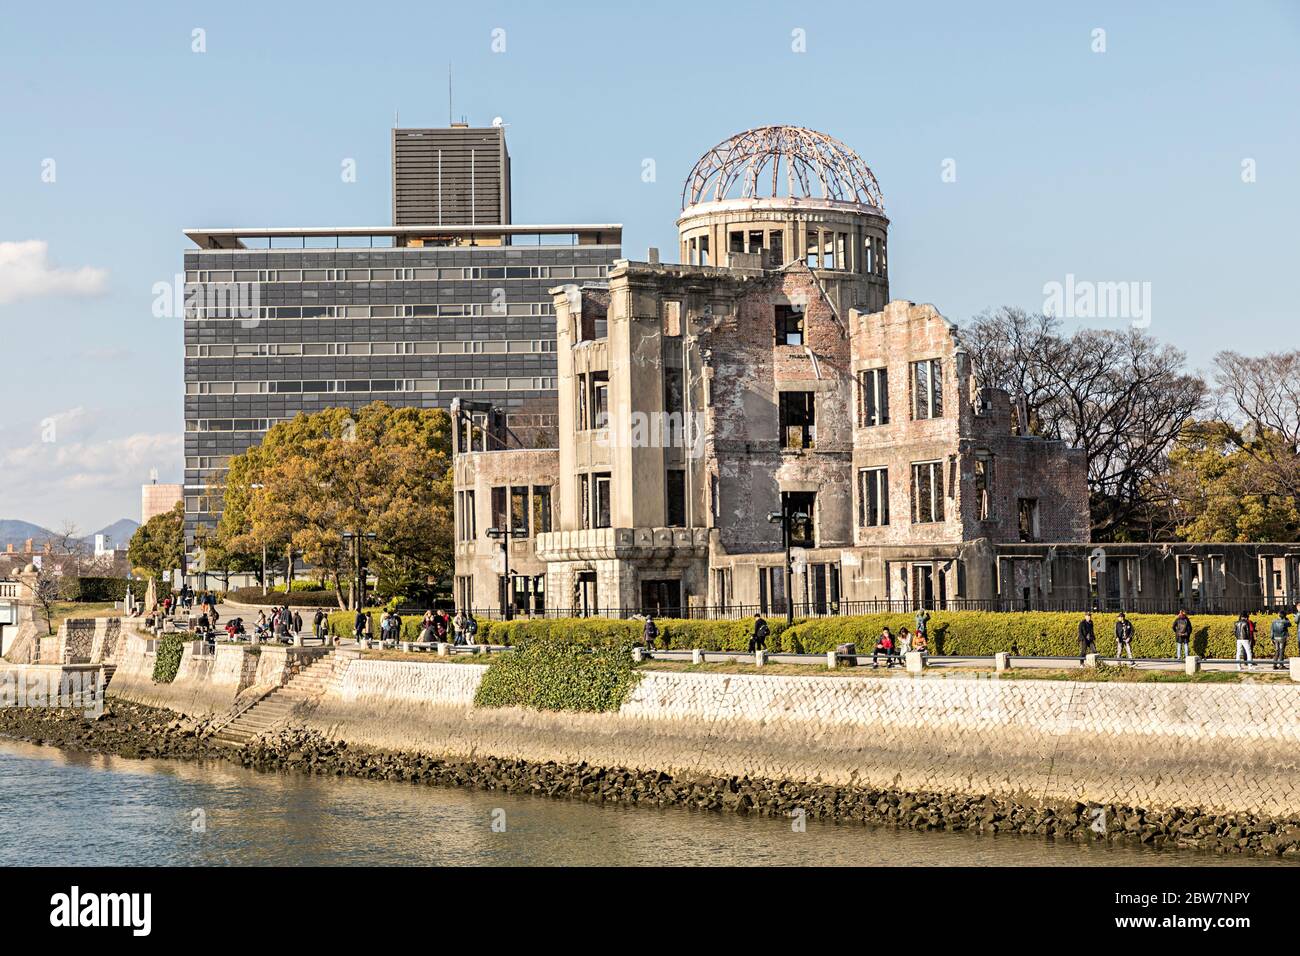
(779, 194)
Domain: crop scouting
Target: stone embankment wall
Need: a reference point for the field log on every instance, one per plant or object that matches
(1219, 747)
(1223, 747)
(91, 640)
(205, 685)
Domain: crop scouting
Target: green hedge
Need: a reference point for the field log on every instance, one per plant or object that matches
(1041, 633)
(168, 659)
(102, 589)
(299, 586)
(681, 634)
(296, 598)
(974, 633)
(560, 673)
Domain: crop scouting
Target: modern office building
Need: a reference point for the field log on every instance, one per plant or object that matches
(286, 320)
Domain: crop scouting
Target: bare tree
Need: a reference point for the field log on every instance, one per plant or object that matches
(1260, 396)
(1119, 395)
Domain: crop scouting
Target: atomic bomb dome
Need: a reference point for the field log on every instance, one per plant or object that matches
(775, 195)
(774, 161)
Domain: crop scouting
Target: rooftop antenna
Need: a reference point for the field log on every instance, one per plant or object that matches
(397, 119)
(449, 113)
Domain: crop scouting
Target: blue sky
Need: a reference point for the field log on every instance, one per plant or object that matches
(1123, 165)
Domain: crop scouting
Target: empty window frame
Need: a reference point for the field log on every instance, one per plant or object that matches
(1027, 512)
(927, 491)
(873, 497)
(519, 511)
(983, 487)
(601, 504)
(797, 412)
(802, 529)
(599, 399)
(927, 389)
(789, 325)
(873, 397)
(499, 507)
(675, 498)
(541, 508)
(673, 403)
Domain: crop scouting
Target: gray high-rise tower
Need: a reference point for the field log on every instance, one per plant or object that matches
(452, 300)
(455, 176)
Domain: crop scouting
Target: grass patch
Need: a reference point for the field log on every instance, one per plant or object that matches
(61, 611)
(425, 657)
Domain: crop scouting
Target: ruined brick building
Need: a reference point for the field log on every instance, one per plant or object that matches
(767, 386)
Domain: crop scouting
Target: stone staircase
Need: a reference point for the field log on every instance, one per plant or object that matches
(273, 710)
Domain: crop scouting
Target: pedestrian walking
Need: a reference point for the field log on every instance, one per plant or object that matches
(471, 628)
(650, 632)
(359, 626)
(1241, 631)
(1280, 631)
(1182, 634)
(758, 641)
(1087, 638)
(1123, 636)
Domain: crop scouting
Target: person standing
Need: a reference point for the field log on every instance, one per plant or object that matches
(1279, 633)
(458, 627)
(1087, 638)
(359, 626)
(923, 622)
(1241, 631)
(297, 623)
(758, 642)
(1123, 636)
(318, 623)
(471, 628)
(1182, 634)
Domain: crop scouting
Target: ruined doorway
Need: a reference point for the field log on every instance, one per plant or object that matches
(661, 598)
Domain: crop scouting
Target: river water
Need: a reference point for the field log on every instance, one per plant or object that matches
(62, 807)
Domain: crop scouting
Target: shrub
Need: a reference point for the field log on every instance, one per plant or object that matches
(299, 586)
(295, 598)
(168, 659)
(560, 673)
(102, 589)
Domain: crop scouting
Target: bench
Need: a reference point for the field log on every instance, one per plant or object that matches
(419, 645)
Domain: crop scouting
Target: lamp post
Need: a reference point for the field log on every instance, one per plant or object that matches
(503, 534)
(784, 518)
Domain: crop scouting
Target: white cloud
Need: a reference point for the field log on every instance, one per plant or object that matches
(78, 475)
(27, 273)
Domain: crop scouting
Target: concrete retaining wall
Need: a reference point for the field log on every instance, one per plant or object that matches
(1223, 747)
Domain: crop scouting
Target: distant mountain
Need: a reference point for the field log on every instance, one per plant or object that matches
(119, 532)
(15, 532)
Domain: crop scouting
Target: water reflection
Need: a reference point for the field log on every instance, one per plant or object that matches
(80, 809)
